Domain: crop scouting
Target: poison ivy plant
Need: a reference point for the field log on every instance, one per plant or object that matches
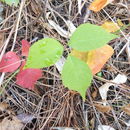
(86, 38)
(89, 37)
(11, 2)
(44, 53)
(81, 63)
(76, 75)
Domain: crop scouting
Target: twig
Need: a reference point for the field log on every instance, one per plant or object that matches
(17, 24)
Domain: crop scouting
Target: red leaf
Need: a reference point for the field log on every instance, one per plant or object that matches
(25, 47)
(27, 77)
(10, 62)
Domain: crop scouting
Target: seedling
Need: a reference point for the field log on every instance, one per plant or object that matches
(77, 73)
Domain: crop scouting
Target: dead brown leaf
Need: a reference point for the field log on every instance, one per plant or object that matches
(102, 108)
(11, 123)
(8, 120)
(126, 109)
(95, 93)
(36, 8)
(3, 106)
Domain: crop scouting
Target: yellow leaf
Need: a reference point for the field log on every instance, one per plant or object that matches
(95, 58)
(110, 26)
(97, 5)
(120, 22)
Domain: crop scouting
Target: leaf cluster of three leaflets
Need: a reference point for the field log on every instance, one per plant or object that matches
(76, 74)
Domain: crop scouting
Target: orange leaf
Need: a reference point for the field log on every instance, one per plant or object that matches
(97, 5)
(95, 58)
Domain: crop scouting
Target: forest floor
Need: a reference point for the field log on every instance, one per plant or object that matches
(51, 106)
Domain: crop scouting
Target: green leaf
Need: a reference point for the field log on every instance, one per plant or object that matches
(99, 74)
(76, 75)
(44, 53)
(89, 37)
(11, 2)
